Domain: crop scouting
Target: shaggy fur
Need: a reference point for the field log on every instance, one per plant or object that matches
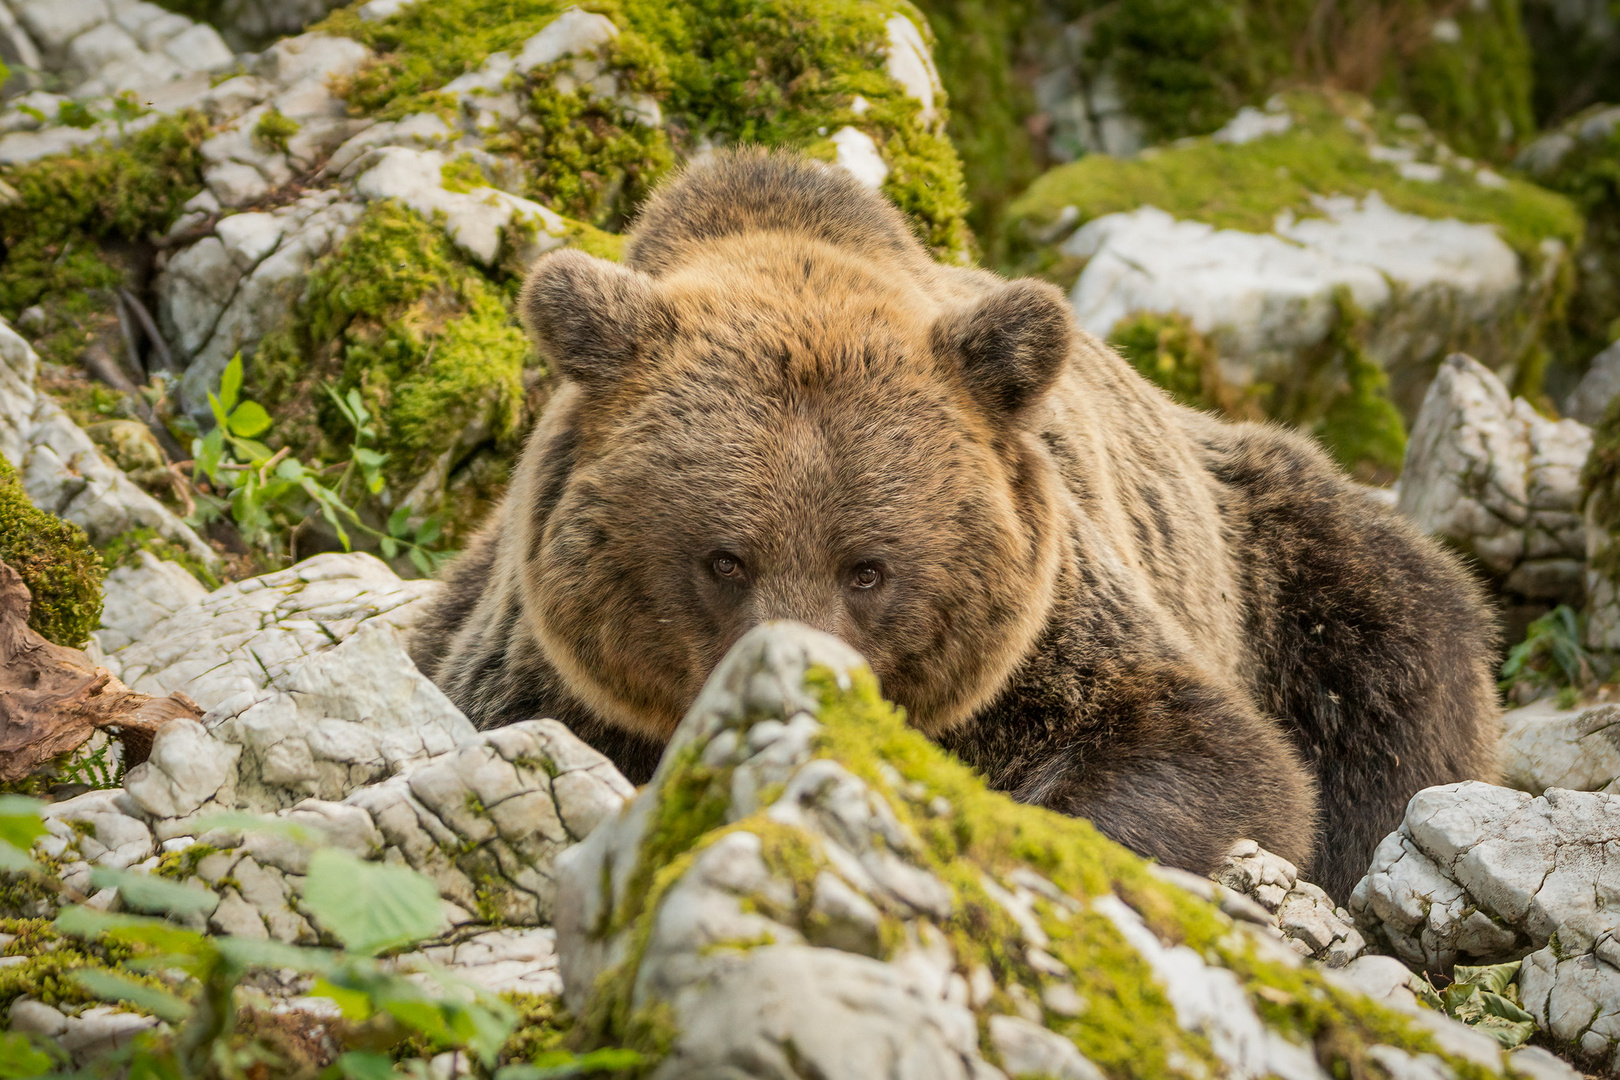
(779, 408)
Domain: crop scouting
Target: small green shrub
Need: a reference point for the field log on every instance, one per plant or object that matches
(1551, 656)
(55, 560)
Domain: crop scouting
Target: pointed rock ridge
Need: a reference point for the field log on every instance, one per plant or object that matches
(809, 887)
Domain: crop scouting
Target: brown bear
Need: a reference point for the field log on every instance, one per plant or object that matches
(779, 407)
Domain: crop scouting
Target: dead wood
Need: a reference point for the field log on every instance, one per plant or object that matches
(52, 698)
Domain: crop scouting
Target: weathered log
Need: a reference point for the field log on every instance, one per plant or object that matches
(52, 698)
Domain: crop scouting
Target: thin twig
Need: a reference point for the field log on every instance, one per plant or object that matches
(264, 470)
(150, 328)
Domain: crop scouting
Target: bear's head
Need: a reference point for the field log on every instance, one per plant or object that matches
(779, 428)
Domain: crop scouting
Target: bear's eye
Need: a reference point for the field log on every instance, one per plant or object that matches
(866, 577)
(727, 566)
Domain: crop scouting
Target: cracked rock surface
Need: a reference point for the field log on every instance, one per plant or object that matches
(243, 636)
(798, 891)
(1488, 473)
(1305, 915)
(1480, 874)
(1544, 747)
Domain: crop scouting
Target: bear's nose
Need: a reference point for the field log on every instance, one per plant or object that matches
(801, 605)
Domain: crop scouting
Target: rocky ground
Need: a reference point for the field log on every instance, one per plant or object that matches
(259, 375)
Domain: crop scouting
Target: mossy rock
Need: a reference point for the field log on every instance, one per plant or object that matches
(798, 823)
(1184, 67)
(1325, 146)
(1581, 159)
(781, 73)
(55, 560)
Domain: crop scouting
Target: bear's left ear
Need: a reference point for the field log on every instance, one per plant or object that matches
(592, 317)
(1010, 345)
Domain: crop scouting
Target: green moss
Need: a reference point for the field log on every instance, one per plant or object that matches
(69, 205)
(773, 72)
(46, 975)
(56, 562)
(275, 128)
(588, 158)
(182, 864)
(1245, 187)
(123, 549)
(429, 341)
(1169, 352)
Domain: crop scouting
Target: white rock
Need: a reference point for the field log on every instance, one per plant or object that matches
(315, 57)
(1599, 386)
(187, 769)
(571, 33)
(478, 221)
(99, 1030)
(139, 596)
(199, 48)
(1496, 478)
(1250, 124)
(1544, 747)
(246, 635)
(1573, 990)
(248, 238)
(36, 1018)
(54, 23)
(910, 63)
(61, 468)
(858, 154)
(1031, 1050)
(1481, 874)
(101, 45)
(510, 960)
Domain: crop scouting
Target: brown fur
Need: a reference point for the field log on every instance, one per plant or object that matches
(1181, 629)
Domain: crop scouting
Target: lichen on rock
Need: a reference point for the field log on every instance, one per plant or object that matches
(798, 832)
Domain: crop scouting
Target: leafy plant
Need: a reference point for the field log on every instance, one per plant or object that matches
(1486, 998)
(1551, 655)
(269, 493)
(95, 769)
(188, 979)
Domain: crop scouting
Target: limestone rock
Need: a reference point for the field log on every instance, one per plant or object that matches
(1544, 747)
(808, 887)
(244, 636)
(1306, 916)
(1267, 296)
(61, 467)
(1599, 386)
(1500, 481)
(1572, 988)
(1483, 874)
(140, 596)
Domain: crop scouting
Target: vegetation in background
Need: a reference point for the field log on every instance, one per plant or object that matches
(1551, 656)
(125, 548)
(55, 560)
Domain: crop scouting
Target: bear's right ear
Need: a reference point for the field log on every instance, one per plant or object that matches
(591, 317)
(1011, 345)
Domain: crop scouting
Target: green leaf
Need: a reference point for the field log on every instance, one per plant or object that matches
(269, 953)
(352, 1003)
(369, 906)
(21, 820)
(421, 561)
(290, 469)
(255, 452)
(207, 453)
(249, 419)
(558, 1064)
(397, 526)
(429, 530)
(230, 384)
(111, 986)
(174, 941)
(217, 409)
(148, 892)
(240, 821)
(365, 1065)
(390, 547)
(16, 860)
(20, 1059)
(1495, 978)
(357, 407)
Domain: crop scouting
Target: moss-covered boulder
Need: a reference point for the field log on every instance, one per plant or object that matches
(810, 887)
(62, 571)
(1326, 255)
(1581, 159)
(1045, 81)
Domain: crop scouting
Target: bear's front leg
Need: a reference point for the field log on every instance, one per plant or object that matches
(1161, 759)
